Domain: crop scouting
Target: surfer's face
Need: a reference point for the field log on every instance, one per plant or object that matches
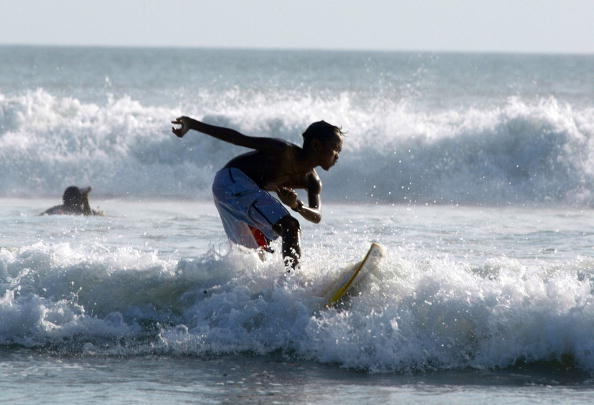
(329, 152)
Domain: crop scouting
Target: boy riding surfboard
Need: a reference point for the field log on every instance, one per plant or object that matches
(243, 188)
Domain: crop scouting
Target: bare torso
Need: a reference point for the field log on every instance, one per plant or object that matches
(272, 171)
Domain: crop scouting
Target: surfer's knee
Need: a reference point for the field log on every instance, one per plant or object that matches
(288, 226)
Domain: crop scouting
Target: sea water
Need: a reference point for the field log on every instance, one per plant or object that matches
(474, 171)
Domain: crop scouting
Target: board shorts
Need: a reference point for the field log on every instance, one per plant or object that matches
(245, 208)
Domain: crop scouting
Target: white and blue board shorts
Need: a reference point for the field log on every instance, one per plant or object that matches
(243, 205)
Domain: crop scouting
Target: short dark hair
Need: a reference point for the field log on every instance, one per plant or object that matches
(322, 131)
(72, 196)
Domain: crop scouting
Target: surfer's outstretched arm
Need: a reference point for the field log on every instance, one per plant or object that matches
(227, 135)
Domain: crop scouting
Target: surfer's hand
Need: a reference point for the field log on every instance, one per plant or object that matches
(185, 126)
(287, 195)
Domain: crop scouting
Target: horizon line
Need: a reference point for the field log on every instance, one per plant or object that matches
(301, 49)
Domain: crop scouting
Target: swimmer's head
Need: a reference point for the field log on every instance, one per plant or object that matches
(73, 196)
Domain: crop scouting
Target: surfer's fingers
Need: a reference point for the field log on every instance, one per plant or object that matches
(180, 130)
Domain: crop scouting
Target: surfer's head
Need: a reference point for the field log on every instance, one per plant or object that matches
(323, 141)
(323, 132)
(73, 196)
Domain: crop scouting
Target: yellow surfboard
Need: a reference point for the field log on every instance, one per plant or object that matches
(338, 289)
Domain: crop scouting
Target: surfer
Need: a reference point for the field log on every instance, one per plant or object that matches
(75, 201)
(251, 216)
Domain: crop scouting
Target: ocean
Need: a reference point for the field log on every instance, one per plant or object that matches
(474, 171)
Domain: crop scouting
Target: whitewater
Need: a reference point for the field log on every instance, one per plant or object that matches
(473, 171)
(423, 128)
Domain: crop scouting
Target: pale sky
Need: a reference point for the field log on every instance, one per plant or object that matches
(543, 26)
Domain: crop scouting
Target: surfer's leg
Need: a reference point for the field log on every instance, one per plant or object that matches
(289, 230)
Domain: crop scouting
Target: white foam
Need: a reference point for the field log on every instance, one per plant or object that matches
(434, 313)
(514, 153)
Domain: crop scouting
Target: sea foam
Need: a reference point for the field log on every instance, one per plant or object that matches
(517, 152)
(411, 315)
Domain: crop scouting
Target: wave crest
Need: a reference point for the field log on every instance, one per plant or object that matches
(520, 152)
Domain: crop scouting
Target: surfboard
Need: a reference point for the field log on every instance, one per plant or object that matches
(350, 278)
